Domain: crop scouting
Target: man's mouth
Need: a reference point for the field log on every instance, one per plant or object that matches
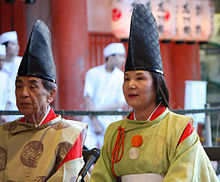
(24, 103)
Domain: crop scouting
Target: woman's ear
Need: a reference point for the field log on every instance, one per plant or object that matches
(51, 96)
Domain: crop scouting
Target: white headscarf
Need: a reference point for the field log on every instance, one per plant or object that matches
(8, 37)
(114, 48)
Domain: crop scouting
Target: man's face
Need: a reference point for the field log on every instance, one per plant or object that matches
(116, 60)
(2, 61)
(12, 48)
(31, 96)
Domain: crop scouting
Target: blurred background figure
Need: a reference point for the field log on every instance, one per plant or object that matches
(11, 65)
(103, 92)
(2, 55)
(3, 82)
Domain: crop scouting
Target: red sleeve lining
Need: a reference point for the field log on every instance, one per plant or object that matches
(187, 131)
(74, 153)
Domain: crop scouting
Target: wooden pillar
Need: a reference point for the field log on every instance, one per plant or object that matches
(165, 48)
(185, 65)
(71, 51)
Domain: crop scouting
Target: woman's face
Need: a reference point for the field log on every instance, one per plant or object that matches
(139, 89)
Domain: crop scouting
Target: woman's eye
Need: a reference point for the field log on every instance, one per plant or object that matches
(139, 78)
(126, 79)
(18, 86)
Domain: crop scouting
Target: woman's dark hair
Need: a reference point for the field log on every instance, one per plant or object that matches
(48, 85)
(162, 93)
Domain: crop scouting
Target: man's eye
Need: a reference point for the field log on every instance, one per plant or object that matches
(126, 79)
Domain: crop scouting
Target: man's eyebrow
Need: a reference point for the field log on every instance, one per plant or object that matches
(32, 81)
(29, 81)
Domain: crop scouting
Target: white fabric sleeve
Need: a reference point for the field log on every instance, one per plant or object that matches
(89, 84)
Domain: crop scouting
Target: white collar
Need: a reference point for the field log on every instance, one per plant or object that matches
(150, 114)
(48, 110)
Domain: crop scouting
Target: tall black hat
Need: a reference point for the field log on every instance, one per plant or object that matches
(143, 46)
(38, 58)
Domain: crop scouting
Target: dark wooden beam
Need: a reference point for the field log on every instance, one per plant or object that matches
(213, 153)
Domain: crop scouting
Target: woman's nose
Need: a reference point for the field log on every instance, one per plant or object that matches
(132, 84)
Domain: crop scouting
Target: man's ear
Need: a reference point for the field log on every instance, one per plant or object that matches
(51, 96)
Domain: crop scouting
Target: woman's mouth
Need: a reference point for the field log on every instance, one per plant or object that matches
(132, 95)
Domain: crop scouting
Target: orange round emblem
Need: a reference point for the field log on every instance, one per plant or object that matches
(136, 140)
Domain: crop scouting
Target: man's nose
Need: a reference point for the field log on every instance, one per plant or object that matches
(24, 92)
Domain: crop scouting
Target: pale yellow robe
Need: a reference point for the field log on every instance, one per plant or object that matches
(159, 153)
(29, 153)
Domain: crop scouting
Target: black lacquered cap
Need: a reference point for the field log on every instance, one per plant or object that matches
(38, 58)
(143, 47)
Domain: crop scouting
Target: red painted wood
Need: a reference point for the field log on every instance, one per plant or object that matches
(12, 17)
(5, 12)
(71, 51)
(165, 49)
(20, 24)
(185, 65)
